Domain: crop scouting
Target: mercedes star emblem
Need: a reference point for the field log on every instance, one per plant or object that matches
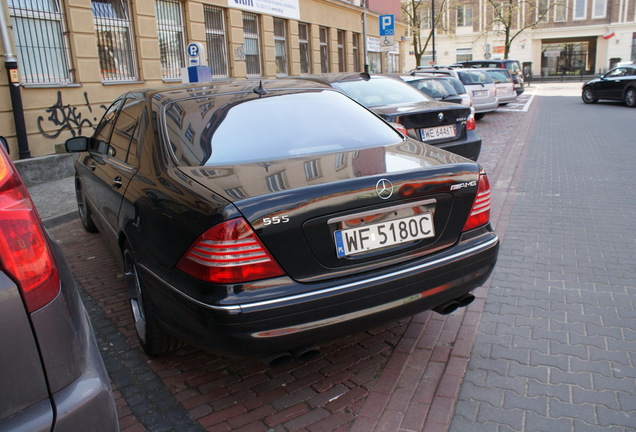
(384, 188)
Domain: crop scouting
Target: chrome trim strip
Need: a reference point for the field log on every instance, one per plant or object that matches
(380, 210)
(235, 309)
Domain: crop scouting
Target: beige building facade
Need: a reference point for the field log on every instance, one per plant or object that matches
(76, 56)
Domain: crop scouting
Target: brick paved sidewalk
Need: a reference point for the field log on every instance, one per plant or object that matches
(406, 375)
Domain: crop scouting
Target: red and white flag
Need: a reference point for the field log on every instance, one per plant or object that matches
(609, 35)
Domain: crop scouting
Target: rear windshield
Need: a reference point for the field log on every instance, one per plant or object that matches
(471, 77)
(381, 91)
(500, 75)
(220, 131)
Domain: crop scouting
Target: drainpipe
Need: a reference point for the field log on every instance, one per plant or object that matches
(364, 36)
(11, 64)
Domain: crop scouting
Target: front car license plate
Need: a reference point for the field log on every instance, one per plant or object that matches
(438, 132)
(480, 93)
(376, 236)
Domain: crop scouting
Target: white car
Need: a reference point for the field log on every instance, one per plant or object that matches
(506, 92)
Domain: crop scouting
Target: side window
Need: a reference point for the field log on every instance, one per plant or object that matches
(125, 130)
(101, 137)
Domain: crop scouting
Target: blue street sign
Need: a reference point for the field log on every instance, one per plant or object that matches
(387, 25)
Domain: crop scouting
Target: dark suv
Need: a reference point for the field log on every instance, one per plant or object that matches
(52, 374)
(513, 66)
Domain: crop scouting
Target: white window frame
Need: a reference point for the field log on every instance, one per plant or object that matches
(216, 38)
(560, 10)
(599, 4)
(304, 47)
(252, 46)
(41, 42)
(121, 48)
(325, 66)
(170, 26)
(579, 13)
(280, 46)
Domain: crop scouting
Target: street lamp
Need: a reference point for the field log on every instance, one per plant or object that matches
(433, 30)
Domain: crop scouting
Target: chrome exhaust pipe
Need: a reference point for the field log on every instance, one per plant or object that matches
(278, 359)
(446, 308)
(306, 354)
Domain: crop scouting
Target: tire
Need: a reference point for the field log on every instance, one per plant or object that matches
(588, 96)
(85, 213)
(479, 116)
(630, 97)
(153, 339)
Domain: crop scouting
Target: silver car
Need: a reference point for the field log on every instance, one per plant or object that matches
(52, 374)
(479, 85)
(505, 86)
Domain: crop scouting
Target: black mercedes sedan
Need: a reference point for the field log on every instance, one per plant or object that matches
(261, 218)
(445, 125)
(617, 84)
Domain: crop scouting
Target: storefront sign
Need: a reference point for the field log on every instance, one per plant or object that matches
(283, 8)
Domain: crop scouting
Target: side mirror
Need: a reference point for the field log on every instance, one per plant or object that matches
(76, 144)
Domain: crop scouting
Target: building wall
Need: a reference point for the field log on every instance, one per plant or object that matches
(54, 113)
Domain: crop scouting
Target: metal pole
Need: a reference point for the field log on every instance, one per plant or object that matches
(11, 64)
(433, 30)
(364, 36)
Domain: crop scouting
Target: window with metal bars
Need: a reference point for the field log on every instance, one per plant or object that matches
(41, 43)
(342, 54)
(117, 54)
(216, 40)
(251, 44)
(171, 38)
(303, 45)
(280, 45)
(324, 49)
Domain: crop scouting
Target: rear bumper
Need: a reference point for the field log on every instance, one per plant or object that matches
(469, 147)
(485, 107)
(329, 311)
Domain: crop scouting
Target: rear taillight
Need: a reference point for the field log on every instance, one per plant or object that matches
(470, 122)
(229, 253)
(400, 127)
(24, 251)
(480, 212)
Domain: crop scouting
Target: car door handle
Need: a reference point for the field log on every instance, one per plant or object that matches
(117, 182)
(92, 166)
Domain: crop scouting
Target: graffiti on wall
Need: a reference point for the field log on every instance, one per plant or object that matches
(65, 118)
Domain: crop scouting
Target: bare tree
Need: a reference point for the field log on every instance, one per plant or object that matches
(512, 17)
(417, 15)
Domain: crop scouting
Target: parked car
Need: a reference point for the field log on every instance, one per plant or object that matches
(52, 374)
(513, 66)
(439, 88)
(504, 86)
(444, 125)
(264, 218)
(617, 84)
(479, 84)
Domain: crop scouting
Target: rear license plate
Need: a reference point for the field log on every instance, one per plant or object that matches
(438, 132)
(375, 236)
(480, 93)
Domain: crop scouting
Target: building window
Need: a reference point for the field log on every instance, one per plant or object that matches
(216, 40)
(251, 44)
(303, 45)
(114, 40)
(464, 54)
(276, 182)
(342, 54)
(580, 9)
(171, 40)
(599, 9)
(560, 10)
(311, 169)
(543, 7)
(280, 45)
(375, 62)
(40, 41)
(324, 50)
(464, 15)
(355, 50)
